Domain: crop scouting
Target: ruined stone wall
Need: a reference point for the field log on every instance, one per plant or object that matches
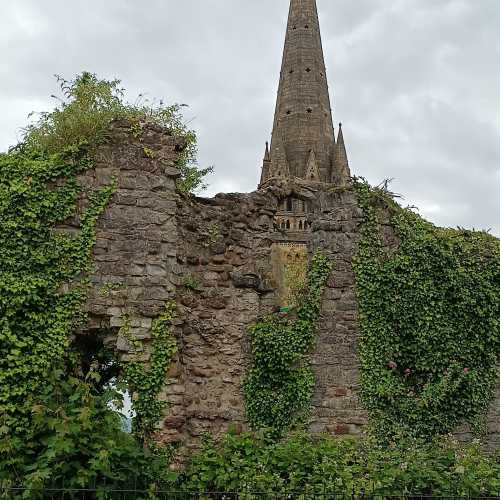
(214, 258)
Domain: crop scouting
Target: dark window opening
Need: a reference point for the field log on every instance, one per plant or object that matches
(294, 28)
(308, 70)
(300, 227)
(288, 224)
(291, 71)
(288, 112)
(306, 26)
(289, 205)
(283, 225)
(309, 110)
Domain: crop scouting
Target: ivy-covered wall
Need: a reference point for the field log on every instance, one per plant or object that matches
(213, 259)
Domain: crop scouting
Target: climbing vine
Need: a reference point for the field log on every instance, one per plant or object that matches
(280, 385)
(36, 317)
(430, 320)
(146, 382)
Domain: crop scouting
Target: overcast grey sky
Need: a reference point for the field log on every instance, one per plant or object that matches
(416, 83)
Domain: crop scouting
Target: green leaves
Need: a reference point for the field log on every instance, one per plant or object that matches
(279, 387)
(429, 312)
(305, 467)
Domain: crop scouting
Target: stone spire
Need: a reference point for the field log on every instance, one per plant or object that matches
(266, 166)
(303, 127)
(341, 170)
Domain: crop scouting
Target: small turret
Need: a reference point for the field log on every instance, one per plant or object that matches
(341, 171)
(266, 166)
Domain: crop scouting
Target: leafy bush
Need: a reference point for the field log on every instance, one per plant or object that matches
(75, 440)
(304, 467)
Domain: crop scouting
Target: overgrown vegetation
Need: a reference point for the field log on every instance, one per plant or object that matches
(308, 468)
(280, 385)
(87, 107)
(55, 419)
(430, 321)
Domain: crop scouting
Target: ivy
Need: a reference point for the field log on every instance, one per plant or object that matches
(430, 321)
(280, 385)
(146, 383)
(36, 318)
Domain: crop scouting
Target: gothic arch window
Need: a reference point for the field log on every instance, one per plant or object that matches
(308, 70)
(289, 205)
(288, 224)
(300, 225)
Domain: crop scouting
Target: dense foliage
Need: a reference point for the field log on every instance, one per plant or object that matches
(74, 440)
(306, 468)
(55, 417)
(430, 321)
(280, 385)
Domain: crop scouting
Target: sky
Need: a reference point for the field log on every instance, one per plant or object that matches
(416, 84)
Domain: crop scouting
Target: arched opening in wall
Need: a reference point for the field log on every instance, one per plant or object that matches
(283, 225)
(300, 225)
(95, 351)
(289, 205)
(308, 70)
(288, 224)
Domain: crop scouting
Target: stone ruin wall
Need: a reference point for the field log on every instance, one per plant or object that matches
(214, 258)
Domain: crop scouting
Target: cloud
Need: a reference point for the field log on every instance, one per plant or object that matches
(415, 83)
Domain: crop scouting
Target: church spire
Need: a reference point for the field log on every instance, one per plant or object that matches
(303, 118)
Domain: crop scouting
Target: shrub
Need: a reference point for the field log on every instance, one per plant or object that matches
(86, 108)
(305, 467)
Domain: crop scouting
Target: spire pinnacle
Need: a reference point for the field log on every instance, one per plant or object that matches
(341, 162)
